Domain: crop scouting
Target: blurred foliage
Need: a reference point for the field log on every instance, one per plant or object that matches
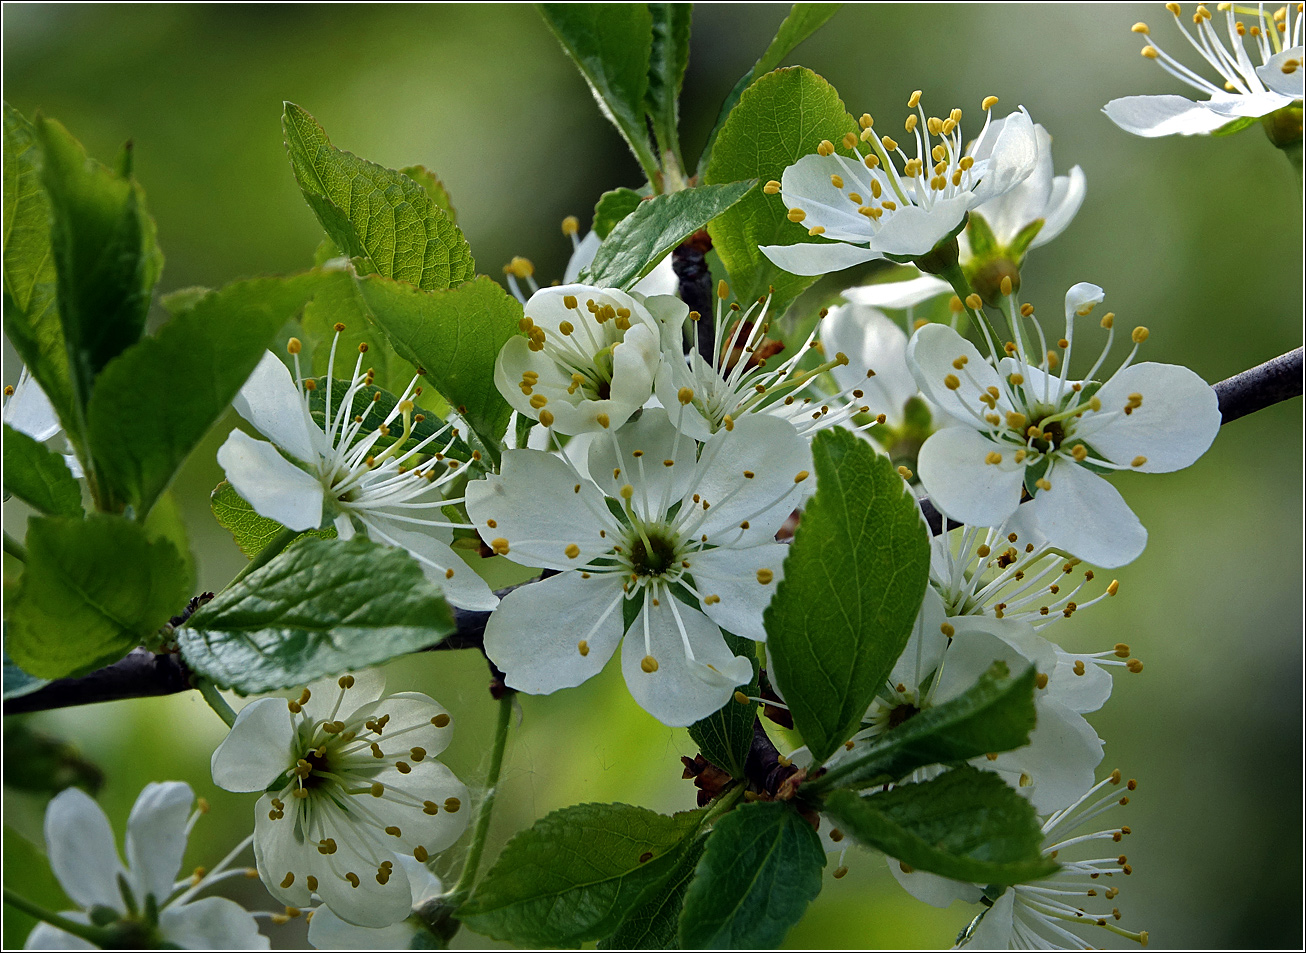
(1199, 239)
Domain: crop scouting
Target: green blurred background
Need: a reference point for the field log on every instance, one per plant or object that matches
(1200, 239)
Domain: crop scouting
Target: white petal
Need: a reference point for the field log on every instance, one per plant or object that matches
(1086, 516)
(535, 634)
(429, 780)
(932, 889)
(29, 411)
(898, 294)
(634, 365)
(1247, 105)
(734, 575)
(213, 923)
(370, 904)
(581, 257)
(661, 280)
(410, 718)
(1082, 693)
(272, 403)
(425, 885)
(1152, 116)
(83, 856)
(979, 641)
(672, 376)
(1175, 425)
(1080, 296)
(679, 692)
(463, 588)
(1286, 84)
(1063, 205)
(46, 937)
(930, 356)
(872, 342)
(914, 231)
(257, 749)
(997, 928)
(952, 468)
(807, 185)
(1057, 766)
(1013, 159)
(810, 258)
(270, 483)
(324, 694)
(1007, 214)
(668, 311)
(656, 485)
(926, 645)
(326, 931)
(156, 838)
(281, 847)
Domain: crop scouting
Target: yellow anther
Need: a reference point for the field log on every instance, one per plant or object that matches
(1140, 334)
(521, 267)
(420, 854)
(1041, 680)
(935, 125)
(570, 225)
(1043, 484)
(338, 327)
(566, 327)
(1150, 52)
(1112, 589)
(849, 140)
(796, 215)
(583, 648)
(378, 789)
(1005, 285)
(728, 422)
(1016, 379)
(816, 230)
(649, 664)
(871, 161)
(889, 144)
(836, 181)
(1134, 665)
(627, 492)
(293, 346)
(764, 576)
(602, 420)
(866, 122)
(993, 458)
(572, 550)
(826, 148)
(951, 381)
(947, 630)
(499, 545)
(546, 418)
(771, 188)
(905, 473)
(568, 301)
(538, 401)
(685, 395)
(800, 476)
(1140, 27)
(1138, 461)
(910, 124)
(914, 99)
(1080, 452)
(430, 807)
(988, 102)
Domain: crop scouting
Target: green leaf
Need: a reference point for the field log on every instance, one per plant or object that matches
(643, 238)
(983, 243)
(611, 44)
(31, 316)
(668, 60)
(429, 181)
(1236, 125)
(377, 215)
(90, 592)
(761, 869)
(995, 714)
(854, 579)
(803, 20)
(45, 765)
(453, 337)
(251, 531)
(966, 825)
(18, 683)
(107, 262)
(612, 207)
(155, 402)
(653, 924)
(577, 873)
(780, 118)
(726, 736)
(39, 476)
(322, 607)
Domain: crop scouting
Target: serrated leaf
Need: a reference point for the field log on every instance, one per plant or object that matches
(156, 401)
(611, 43)
(803, 20)
(612, 207)
(854, 579)
(376, 215)
(576, 873)
(995, 714)
(653, 924)
(251, 531)
(668, 60)
(322, 607)
(31, 317)
(643, 238)
(91, 590)
(39, 476)
(454, 337)
(761, 869)
(782, 117)
(429, 181)
(726, 736)
(966, 825)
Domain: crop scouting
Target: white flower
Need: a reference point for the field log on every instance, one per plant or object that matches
(1243, 89)
(349, 777)
(871, 210)
(589, 356)
(28, 410)
(326, 931)
(80, 845)
(657, 525)
(1032, 428)
(1039, 915)
(336, 476)
(876, 347)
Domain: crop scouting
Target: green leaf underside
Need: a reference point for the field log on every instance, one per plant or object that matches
(761, 869)
(782, 117)
(251, 531)
(726, 736)
(966, 825)
(854, 579)
(643, 238)
(31, 317)
(577, 873)
(91, 591)
(156, 401)
(322, 607)
(18, 683)
(374, 214)
(996, 714)
(803, 20)
(454, 336)
(653, 924)
(668, 60)
(39, 476)
(611, 43)
(612, 207)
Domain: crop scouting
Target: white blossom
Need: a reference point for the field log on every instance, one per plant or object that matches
(28, 410)
(326, 931)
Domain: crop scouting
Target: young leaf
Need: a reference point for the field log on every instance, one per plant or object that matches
(653, 924)
(643, 238)
(155, 402)
(668, 60)
(454, 337)
(854, 579)
(429, 181)
(373, 213)
(803, 20)
(611, 43)
(91, 591)
(250, 531)
(994, 715)
(761, 869)
(323, 606)
(780, 118)
(39, 476)
(726, 736)
(31, 317)
(577, 873)
(612, 207)
(966, 825)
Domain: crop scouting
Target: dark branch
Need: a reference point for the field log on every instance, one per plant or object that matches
(143, 674)
(687, 261)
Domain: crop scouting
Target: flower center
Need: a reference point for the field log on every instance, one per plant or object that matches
(654, 557)
(901, 713)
